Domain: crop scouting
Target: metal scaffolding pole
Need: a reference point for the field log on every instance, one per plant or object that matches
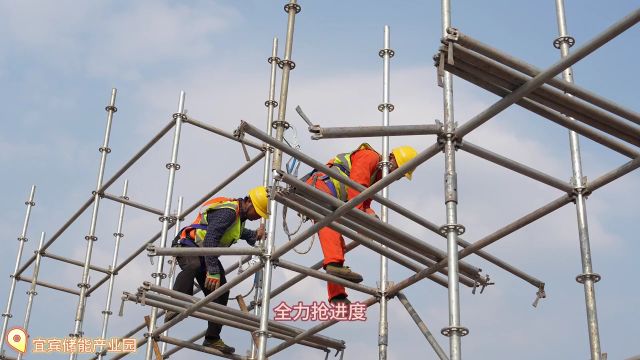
(49, 285)
(215, 130)
(385, 107)
(173, 166)
(588, 278)
(177, 348)
(91, 237)
(422, 326)
(271, 104)
(133, 204)
(75, 262)
(6, 315)
(340, 132)
(105, 186)
(202, 251)
(532, 84)
(32, 290)
(172, 271)
(112, 277)
(454, 331)
(292, 8)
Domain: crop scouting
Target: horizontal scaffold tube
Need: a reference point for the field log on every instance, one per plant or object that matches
(202, 251)
(221, 132)
(49, 285)
(132, 204)
(75, 262)
(372, 131)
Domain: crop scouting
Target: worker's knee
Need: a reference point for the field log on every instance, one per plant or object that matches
(189, 263)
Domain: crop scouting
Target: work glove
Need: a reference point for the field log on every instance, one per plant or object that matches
(212, 281)
(260, 232)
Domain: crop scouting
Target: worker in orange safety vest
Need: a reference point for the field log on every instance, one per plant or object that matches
(361, 166)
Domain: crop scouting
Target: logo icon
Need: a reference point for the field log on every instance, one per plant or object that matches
(17, 339)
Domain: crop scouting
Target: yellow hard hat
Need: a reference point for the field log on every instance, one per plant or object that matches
(258, 196)
(403, 154)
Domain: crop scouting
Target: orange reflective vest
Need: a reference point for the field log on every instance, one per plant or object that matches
(198, 229)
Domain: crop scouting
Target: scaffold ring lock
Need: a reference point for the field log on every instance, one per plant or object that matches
(290, 63)
(32, 203)
(271, 59)
(282, 123)
(448, 331)
(557, 43)
(288, 7)
(162, 275)
(76, 335)
(34, 293)
(173, 165)
(584, 277)
(389, 107)
(104, 149)
(83, 285)
(445, 229)
(179, 115)
(121, 235)
(7, 315)
(260, 333)
(22, 238)
(382, 164)
(91, 237)
(384, 52)
(271, 103)
(108, 312)
(111, 108)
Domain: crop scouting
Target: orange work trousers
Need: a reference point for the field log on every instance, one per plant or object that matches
(331, 241)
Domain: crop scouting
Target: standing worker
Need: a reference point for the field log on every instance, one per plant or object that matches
(363, 167)
(220, 223)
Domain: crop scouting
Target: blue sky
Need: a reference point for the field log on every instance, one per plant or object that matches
(60, 61)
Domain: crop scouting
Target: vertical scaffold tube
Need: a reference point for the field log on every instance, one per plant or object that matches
(292, 8)
(588, 278)
(166, 219)
(172, 262)
(6, 315)
(106, 313)
(32, 290)
(385, 107)
(454, 331)
(91, 237)
(271, 104)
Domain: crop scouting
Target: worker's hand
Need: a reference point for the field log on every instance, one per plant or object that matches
(371, 212)
(212, 281)
(260, 232)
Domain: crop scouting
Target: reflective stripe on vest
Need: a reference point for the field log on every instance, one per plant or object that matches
(342, 162)
(233, 232)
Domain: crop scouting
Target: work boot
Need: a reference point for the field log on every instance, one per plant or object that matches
(219, 345)
(340, 299)
(343, 272)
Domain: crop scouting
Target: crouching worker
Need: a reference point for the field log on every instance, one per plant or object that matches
(220, 223)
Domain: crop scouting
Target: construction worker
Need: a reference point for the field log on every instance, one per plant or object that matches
(220, 223)
(361, 166)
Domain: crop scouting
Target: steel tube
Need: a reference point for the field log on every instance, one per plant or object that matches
(327, 277)
(32, 290)
(75, 262)
(292, 8)
(613, 174)
(581, 207)
(197, 204)
(546, 95)
(226, 312)
(515, 166)
(177, 348)
(422, 326)
(215, 130)
(319, 133)
(271, 104)
(530, 70)
(558, 118)
(166, 221)
(204, 251)
(114, 262)
(601, 39)
(91, 237)
(49, 285)
(133, 204)
(172, 271)
(6, 315)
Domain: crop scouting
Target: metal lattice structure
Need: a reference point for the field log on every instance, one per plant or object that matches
(515, 81)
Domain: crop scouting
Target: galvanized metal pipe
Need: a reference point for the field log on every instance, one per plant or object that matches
(133, 204)
(32, 290)
(592, 45)
(166, 218)
(271, 104)
(528, 69)
(558, 118)
(579, 183)
(324, 276)
(203, 251)
(340, 132)
(215, 130)
(91, 237)
(75, 262)
(49, 285)
(172, 271)
(613, 174)
(6, 315)
(114, 262)
(177, 348)
(292, 8)
(422, 326)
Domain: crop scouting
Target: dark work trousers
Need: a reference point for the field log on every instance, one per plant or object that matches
(192, 268)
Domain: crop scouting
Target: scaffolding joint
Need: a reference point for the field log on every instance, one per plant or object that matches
(453, 34)
(276, 124)
(32, 203)
(341, 352)
(170, 219)
(172, 165)
(569, 40)
(84, 285)
(289, 63)
(8, 315)
(119, 234)
(104, 149)
(160, 274)
(296, 7)
(23, 238)
(540, 294)
(271, 59)
(111, 108)
(458, 228)
(387, 106)
(449, 331)
(388, 52)
(79, 334)
(181, 116)
(269, 103)
(582, 278)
